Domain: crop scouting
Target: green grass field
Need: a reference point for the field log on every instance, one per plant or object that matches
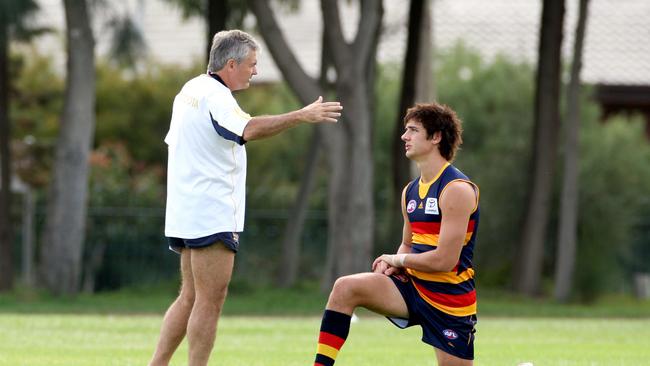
(269, 326)
(88, 340)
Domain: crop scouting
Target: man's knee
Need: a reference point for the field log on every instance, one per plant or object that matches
(215, 295)
(187, 297)
(346, 287)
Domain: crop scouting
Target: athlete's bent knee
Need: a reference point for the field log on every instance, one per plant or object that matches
(345, 288)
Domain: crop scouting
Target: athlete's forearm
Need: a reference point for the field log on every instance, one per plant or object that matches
(431, 261)
(404, 249)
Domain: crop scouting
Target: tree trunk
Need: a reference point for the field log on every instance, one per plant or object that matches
(290, 263)
(401, 165)
(6, 235)
(29, 212)
(217, 15)
(425, 87)
(348, 143)
(293, 231)
(67, 205)
(528, 271)
(568, 226)
(350, 201)
(417, 86)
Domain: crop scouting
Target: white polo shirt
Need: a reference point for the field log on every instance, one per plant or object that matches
(206, 171)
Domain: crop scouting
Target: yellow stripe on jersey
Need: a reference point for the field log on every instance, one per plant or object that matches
(427, 239)
(443, 277)
(328, 351)
(463, 311)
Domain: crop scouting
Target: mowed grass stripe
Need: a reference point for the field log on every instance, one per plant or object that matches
(90, 340)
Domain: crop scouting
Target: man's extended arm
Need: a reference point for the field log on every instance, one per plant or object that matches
(266, 126)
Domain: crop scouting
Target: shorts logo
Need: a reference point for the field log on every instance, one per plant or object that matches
(431, 207)
(450, 334)
(235, 237)
(411, 206)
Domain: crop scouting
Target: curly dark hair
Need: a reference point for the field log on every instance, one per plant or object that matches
(439, 118)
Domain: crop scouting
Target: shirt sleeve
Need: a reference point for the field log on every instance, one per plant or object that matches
(228, 119)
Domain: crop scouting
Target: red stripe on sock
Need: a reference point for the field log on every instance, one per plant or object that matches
(331, 340)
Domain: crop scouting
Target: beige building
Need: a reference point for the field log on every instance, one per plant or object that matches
(616, 53)
(617, 45)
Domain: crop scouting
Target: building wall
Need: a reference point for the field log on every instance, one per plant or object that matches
(617, 45)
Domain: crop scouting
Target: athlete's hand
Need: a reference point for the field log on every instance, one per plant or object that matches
(320, 111)
(388, 270)
(393, 260)
(381, 267)
(394, 271)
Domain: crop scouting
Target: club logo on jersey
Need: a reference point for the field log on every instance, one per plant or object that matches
(431, 207)
(449, 334)
(411, 206)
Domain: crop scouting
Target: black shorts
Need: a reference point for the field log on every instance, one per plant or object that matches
(451, 334)
(228, 239)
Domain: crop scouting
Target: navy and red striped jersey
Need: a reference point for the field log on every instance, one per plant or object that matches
(451, 292)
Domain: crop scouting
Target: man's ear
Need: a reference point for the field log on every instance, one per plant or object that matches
(437, 137)
(231, 63)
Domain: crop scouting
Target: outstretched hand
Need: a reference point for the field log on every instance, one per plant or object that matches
(320, 111)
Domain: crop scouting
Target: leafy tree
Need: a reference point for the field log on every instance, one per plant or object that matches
(496, 147)
(13, 16)
(136, 110)
(127, 44)
(615, 171)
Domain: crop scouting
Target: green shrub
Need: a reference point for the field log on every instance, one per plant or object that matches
(614, 176)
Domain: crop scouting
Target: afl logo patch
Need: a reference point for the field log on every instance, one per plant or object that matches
(449, 334)
(431, 207)
(411, 206)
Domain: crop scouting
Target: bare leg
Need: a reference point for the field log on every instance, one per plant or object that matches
(212, 269)
(373, 291)
(370, 290)
(445, 359)
(175, 320)
(377, 292)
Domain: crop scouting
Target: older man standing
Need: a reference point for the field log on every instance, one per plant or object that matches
(206, 187)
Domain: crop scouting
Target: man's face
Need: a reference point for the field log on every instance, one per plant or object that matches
(244, 71)
(415, 140)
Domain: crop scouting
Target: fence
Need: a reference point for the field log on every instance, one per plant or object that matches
(125, 246)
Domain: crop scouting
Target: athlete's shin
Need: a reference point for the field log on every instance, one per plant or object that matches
(334, 330)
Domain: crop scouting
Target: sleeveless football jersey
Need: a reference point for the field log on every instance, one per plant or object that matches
(450, 292)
